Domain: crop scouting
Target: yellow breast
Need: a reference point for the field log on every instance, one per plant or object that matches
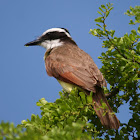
(66, 86)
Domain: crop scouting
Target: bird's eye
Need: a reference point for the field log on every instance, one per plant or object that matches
(48, 33)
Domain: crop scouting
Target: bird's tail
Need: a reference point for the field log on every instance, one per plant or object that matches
(104, 111)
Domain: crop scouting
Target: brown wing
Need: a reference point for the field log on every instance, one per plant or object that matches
(73, 65)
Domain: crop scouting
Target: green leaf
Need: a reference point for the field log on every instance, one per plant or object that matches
(43, 101)
(107, 13)
(99, 25)
(103, 6)
(101, 10)
(83, 96)
(134, 32)
(138, 29)
(99, 19)
(89, 99)
(131, 22)
(112, 32)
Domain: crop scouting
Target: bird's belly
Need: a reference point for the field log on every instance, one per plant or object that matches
(66, 86)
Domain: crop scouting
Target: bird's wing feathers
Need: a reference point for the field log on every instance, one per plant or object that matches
(72, 65)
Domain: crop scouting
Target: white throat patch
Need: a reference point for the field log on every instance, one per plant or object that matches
(49, 44)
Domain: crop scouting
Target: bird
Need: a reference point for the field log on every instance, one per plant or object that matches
(73, 67)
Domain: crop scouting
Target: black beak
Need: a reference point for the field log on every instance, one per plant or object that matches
(33, 43)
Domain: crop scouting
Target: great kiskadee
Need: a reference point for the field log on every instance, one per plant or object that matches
(72, 67)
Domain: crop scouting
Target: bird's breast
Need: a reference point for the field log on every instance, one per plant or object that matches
(66, 86)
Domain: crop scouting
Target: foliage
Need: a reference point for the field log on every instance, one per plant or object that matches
(134, 12)
(67, 118)
(72, 116)
(121, 67)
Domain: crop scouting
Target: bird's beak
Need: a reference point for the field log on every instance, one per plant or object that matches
(33, 43)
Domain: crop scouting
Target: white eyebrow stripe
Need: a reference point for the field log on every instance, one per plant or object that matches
(56, 29)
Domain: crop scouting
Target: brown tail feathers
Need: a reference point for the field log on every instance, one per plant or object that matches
(106, 115)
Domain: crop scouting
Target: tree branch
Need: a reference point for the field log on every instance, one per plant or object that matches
(108, 37)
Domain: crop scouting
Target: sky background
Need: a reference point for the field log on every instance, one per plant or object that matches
(23, 79)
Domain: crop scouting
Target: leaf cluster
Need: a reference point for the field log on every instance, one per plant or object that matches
(135, 12)
(121, 67)
(70, 117)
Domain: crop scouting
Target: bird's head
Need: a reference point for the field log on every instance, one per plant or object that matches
(51, 38)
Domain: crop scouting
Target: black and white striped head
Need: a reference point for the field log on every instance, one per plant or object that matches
(51, 38)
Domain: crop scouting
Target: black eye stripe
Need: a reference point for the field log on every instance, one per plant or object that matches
(54, 35)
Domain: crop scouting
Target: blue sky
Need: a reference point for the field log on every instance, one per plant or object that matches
(23, 79)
